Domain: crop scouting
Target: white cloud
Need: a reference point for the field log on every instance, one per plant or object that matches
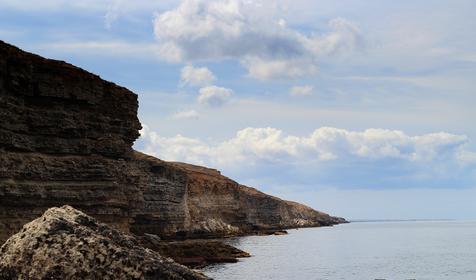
(249, 32)
(372, 158)
(253, 145)
(173, 148)
(196, 76)
(186, 115)
(301, 90)
(214, 96)
(265, 69)
(344, 37)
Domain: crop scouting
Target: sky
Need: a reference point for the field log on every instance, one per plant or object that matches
(363, 109)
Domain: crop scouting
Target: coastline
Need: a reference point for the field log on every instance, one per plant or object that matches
(202, 252)
(66, 138)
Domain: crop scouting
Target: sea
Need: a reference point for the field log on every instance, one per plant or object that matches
(397, 250)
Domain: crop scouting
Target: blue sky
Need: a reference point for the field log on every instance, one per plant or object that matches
(364, 109)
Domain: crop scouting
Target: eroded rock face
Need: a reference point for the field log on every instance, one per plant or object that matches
(64, 243)
(66, 138)
(220, 206)
(53, 107)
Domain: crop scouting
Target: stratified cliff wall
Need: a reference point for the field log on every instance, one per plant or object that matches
(52, 107)
(66, 137)
(218, 205)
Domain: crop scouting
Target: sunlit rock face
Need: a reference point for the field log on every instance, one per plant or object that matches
(66, 137)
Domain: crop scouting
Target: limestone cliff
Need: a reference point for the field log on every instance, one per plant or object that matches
(229, 207)
(66, 138)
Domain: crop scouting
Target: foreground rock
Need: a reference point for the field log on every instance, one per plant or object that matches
(66, 137)
(66, 244)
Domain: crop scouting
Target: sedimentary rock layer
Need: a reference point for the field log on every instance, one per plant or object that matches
(53, 107)
(66, 138)
(67, 244)
(218, 205)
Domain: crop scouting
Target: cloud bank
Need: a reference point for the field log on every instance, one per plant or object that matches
(328, 155)
(216, 30)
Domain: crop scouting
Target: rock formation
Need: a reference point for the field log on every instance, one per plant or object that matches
(66, 244)
(196, 253)
(219, 205)
(66, 137)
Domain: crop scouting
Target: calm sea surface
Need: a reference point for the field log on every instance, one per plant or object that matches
(364, 250)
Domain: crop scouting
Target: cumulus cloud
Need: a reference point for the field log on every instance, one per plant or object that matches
(186, 115)
(173, 148)
(196, 76)
(324, 144)
(369, 158)
(214, 96)
(248, 32)
(301, 91)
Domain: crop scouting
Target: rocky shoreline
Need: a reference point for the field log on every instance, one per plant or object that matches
(65, 243)
(196, 253)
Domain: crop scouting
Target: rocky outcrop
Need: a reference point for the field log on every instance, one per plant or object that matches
(66, 138)
(196, 253)
(66, 244)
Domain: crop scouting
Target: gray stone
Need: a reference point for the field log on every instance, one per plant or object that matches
(64, 243)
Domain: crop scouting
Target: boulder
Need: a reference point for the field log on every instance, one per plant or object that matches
(65, 243)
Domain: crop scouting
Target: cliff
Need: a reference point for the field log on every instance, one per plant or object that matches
(229, 207)
(66, 137)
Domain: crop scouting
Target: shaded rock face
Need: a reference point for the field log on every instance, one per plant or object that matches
(66, 138)
(52, 107)
(66, 244)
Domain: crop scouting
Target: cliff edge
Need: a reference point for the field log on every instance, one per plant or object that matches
(66, 137)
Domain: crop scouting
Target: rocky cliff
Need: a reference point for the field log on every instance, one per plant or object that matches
(66, 137)
(229, 207)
